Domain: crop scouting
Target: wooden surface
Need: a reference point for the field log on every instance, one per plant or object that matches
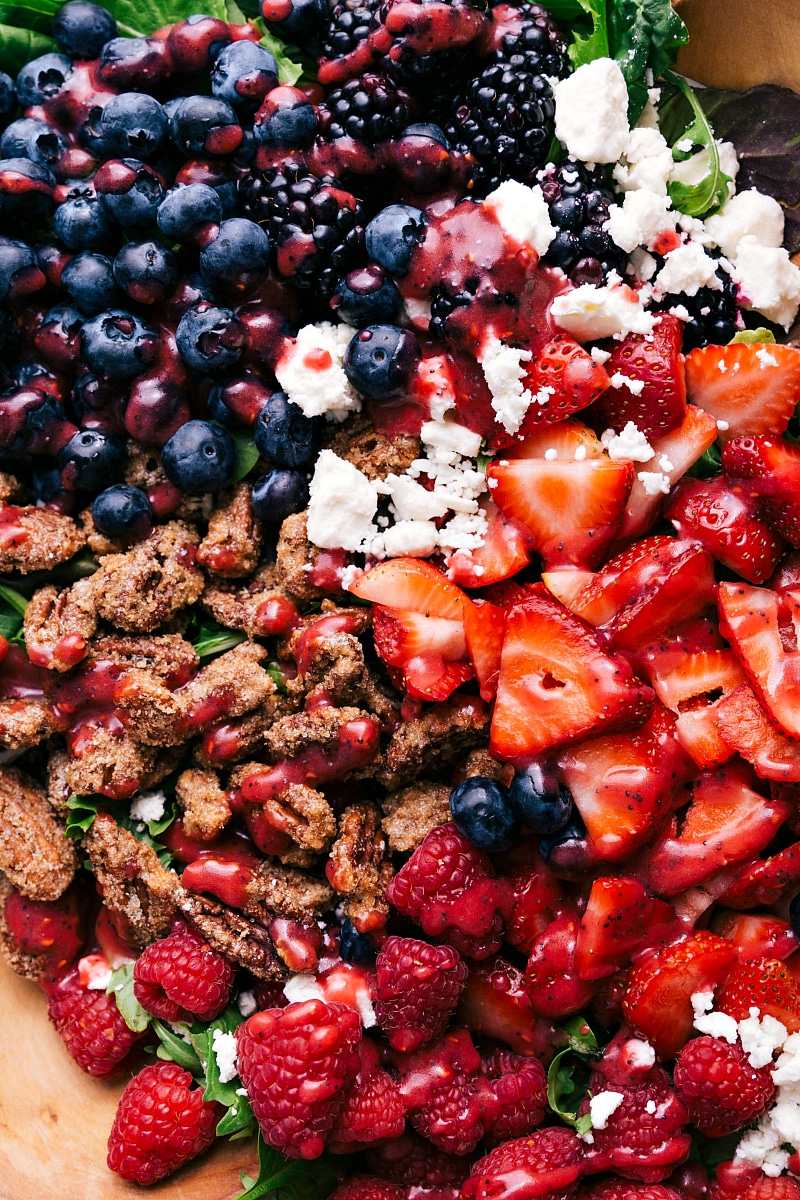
(739, 43)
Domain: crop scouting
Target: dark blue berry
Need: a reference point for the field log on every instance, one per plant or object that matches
(284, 435)
(286, 118)
(33, 139)
(129, 193)
(355, 947)
(26, 190)
(426, 129)
(539, 800)
(392, 236)
(82, 29)
(276, 496)
(133, 125)
(210, 339)
(366, 296)
(88, 280)
(238, 256)
(8, 97)
(134, 63)
(146, 271)
(187, 210)
(299, 21)
(45, 483)
(567, 845)
(20, 272)
(90, 460)
(380, 361)
(242, 75)
(199, 457)
(420, 156)
(42, 78)
(205, 125)
(119, 344)
(122, 511)
(80, 222)
(482, 813)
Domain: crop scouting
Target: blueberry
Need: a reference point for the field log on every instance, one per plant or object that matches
(130, 64)
(355, 947)
(219, 174)
(564, 250)
(185, 211)
(122, 511)
(481, 811)
(238, 256)
(45, 483)
(26, 190)
(88, 280)
(284, 435)
(205, 125)
(286, 118)
(42, 78)
(238, 401)
(33, 139)
(420, 156)
(146, 271)
(199, 457)
(80, 222)
(242, 75)
(540, 800)
(566, 843)
(568, 213)
(82, 29)
(20, 273)
(366, 296)
(90, 460)
(133, 124)
(276, 496)
(392, 236)
(8, 97)
(129, 192)
(380, 360)
(210, 339)
(119, 344)
(426, 129)
(299, 21)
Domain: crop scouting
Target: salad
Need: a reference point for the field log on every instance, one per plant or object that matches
(400, 542)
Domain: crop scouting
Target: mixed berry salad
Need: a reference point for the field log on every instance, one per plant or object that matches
(400, 541)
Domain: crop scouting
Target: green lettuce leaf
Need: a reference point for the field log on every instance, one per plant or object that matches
(137, 18)
(709, 193)
(568, 1076)
(81, 813)
(12, 611)
(18, 46)
(643, 34)
(121, 988)
(289, 1179)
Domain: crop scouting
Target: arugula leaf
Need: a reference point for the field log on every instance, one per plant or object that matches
(289, 70)
(174, 1049)
(711, 191)
(148, 831)
(13, 598)
(290, 1179)
(643, 34)
(568, 1076)
(753, 337)
(212, 641)
(82, 812)
(12, 611)
(121, 988)
(589, 28)
(238, 1121)
(19, 46)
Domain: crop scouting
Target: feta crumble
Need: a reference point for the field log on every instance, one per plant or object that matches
(311, 373)
(303, 986)
(148, 806)
(765, 358)
(523, 214)
(603, 1106)
(618, 380)
(246, 1003)
(747, 214)
(341, 506)
(687, 268)
(645, 163)
(768, 281)
(592, 111)
(654, 483)
(224, 1047)
(504, 373)
(590, 313)
(629, 445)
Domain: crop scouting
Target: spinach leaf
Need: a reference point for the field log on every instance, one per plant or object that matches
(288, 1179)
(643, 34)
(18, 46)
(290, 70)
(35, 15)
(711, 191)
(173, 1048)
(707, 465)
(568, 1076)
(121, 988)
(138, 18)
(12, 611)
(81, 815)
(246, 455)
(238, 1121)
(589, 28)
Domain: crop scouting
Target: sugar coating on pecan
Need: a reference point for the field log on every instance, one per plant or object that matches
(35, 853)
(140, 894)
(232, 545)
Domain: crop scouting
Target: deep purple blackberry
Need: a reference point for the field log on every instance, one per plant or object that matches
(444, 302)
(315, 225)
(712, 314)
(505, 122)
(349, 25)
(533, 36)
(579, 203)
(369, 109)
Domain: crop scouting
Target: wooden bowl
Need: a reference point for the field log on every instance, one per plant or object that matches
(54, 1119)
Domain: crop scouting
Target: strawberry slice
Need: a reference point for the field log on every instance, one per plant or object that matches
(752, 388)
(572, 509)
(506, 549)
(568, 440)
(745, 728)
(658, 1003)
(557, 684)
(750, 618)
(654, 360)
(484, 626)
(755, 935)
(764, 983)
(694, 685)
(495, 1004)
(552, 982)
(413, 584)
(765, 881)
(562, 378)
(726, 822)
(623, 784)
(773, 465)
(724, 515)
(621, 917)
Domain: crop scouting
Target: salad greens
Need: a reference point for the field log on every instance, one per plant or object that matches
(82, 811)
(568, 1076)
(288, 1179)
(12, 612)
(711, 191)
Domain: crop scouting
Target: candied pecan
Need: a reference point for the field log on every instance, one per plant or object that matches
(410, 815)
(110, 762)
(358, 869)
(152, 581)
(247, 732)
(36, 539)
(10, 488)
(232, 545)
(480, 762)
(205, 806)
(238, 607)
(23, 963)
(375, 454)
(141, 896)
(98, 543)
(58, 789)
(242, 939)
(291, 735)
(25, 722)
(299, 812)
(334, 667)
(144, 470)
(295, 558)
(58, 625)
(288, 893)
(433, 741)
(167, 655)
(35, 853)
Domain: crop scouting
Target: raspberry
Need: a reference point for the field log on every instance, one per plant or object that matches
(623, 1189)
(418, 989)
(372, 1108)
(414, 1163)
(645, 1137)
(547, 1164)
(438, 1085)
(735, 1181)
(515, 1094)
(161, 1123)
(719, 1087)
(180, 978)
(295, 1063)
(90, 1026)
(367, 1187)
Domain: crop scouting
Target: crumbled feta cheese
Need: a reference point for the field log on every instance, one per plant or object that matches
(747, 214)
(302, 987)
(702, 1002)
(418, 539)
(718, 1025)
(643, 217)
(768, 280)
(761, 1147)
(685, 145)
(351, 573)
(543, 395)
(246, 1003)
(654, 483)
(723, 425)
(630, 445)
(787, 1068)
(590, 313)
(504, 372)
(602, 1106)
(681, 312)
(600, 356)
(765, 358)
(761, 1038)
(645, 162)
(722, 366)
(413, 502)
(365, 1008)
(550, 454)
(523, 214)
(418, 312)
(341, 506)
(224, 1047)
(580, 453)
(148, 806)
(639, 1054)
(728, 162)
(446, 441)
(618, 380)
(644, 265)
(94, 972)
(310, 371)
(665, 463)
(592, 111)
(687, 268)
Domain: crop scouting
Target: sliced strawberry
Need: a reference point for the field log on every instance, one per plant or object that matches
(724, 515)
(621, 917)
(764, 983)
(623, 784)
(753, 388)
(495, 1004)
(746, 729)
(401, 635)
(509, 592)
(765, 881)
(755, 935)
(484, 626)
(750, 618)
(572, 509)
(569, 440)
(551, 980)
(567, 584)
(505, 550)
(774, 466)
(562, 378)
(557, 684)
(658, 1000)
(413, 584)
(726, 822)
(655, 360)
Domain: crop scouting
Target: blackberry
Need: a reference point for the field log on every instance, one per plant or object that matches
(315, 225)
(369, 109)
(531, 34)
(505, 123)
(349, 26)
(444, 302)
(579, 203)
(713, 315)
